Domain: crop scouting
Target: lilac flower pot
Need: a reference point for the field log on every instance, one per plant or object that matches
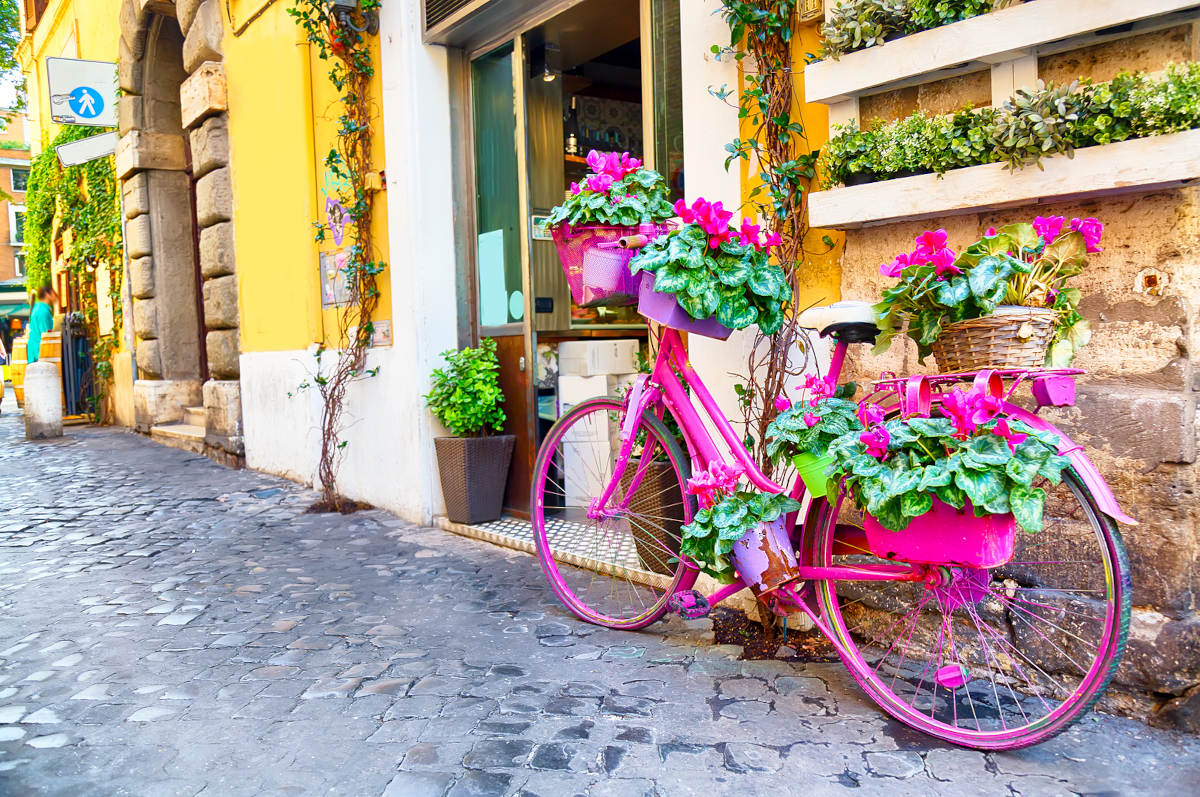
(945, 535)
(665, 309)
(764, 558)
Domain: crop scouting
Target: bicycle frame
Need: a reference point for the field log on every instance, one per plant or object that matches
(663, 386)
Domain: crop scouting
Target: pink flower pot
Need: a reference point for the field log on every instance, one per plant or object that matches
(1054, 391)
(663, 308)
(764, 558)
(948, 536)
(597, 270)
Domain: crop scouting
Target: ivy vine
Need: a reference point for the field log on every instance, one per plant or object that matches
(774, 144)
(349, 162)
(84, 200)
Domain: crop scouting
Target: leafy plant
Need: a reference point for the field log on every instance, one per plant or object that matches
(713, 269)
(811, 426)
(859, 24)
(726, 515)
(894, 470)
(465, 395)
(1032, 125)
(1021, 264)
(619, 191)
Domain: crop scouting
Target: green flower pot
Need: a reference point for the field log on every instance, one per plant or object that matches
(812, 471)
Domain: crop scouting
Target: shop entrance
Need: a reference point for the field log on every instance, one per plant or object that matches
(603, 75)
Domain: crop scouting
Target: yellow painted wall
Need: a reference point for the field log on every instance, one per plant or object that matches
(282, 117)
(821, 274)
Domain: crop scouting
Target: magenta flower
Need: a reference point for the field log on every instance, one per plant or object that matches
(1091, 230)
(983, 406)
(596, 161)
(876, 440)
(957, 408)
(600, 183)
(943, 262)
(990, 232)
(817, 388)
(811, 419)
(712, 485)
(1014, 439)
(748, 234)
(684, 213)
(782, 403)
(1048, 227)
(1051, 295)
(931, 241)
(575, 189)
(773, 239)
(897, 266)
(870, 414)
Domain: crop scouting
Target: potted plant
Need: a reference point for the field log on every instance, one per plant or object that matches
(1002, 303)
(802, 433)
(949, 487)
(710, 278)
(473, 464)
(739, 530)
(618, 198)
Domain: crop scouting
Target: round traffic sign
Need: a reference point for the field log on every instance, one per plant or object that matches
(85, 102)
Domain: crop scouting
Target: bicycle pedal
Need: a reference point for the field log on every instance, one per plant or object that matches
(690, 604)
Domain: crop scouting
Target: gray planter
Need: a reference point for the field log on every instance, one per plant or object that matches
(474, 472)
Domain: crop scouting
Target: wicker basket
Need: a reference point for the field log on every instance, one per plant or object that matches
(1013, 337)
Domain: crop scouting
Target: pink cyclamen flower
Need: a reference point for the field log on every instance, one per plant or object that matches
(1002, 429)
(1091, 230)
(576, 189)
(943, 261)
(772, 239)
(870, 414)
(1048, 227)
(817, 388)
(811, 419)
(957, 408)
(684, 213)
(748, 234)
(783, 403)
(710, 486)
(984, 407)
(931, 241)
(990, 232)
(600, 183)
(876, 440)
(897, 266)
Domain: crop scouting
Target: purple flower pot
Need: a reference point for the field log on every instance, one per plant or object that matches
(665, 309)
(764, 558)
(948, 536)
(1054, 391)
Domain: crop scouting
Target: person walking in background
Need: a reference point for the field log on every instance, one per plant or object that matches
(41, 321)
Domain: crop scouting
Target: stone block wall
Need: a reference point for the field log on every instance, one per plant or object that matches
(1136, 413)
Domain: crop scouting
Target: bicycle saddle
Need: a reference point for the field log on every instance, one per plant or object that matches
(850, 321)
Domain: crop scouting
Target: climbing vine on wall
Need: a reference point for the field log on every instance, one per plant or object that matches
(82, 204)
(773, 144)
(349, 163)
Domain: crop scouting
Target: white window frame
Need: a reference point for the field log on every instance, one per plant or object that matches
(13, 210)
(12, 175)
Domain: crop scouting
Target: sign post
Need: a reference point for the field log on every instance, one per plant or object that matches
(83, 93)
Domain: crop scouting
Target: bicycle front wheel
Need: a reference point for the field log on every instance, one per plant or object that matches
(991, 659)
(619, 565)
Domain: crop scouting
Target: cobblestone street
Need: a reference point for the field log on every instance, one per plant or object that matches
(171, 627)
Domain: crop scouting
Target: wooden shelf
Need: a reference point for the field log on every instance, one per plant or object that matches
(1145, 164)
(574, 159)
(1040, 26)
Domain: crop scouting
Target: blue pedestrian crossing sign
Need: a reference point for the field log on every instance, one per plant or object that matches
(82, 92)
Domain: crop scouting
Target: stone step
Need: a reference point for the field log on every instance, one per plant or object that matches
(194, 416)
(185, 436)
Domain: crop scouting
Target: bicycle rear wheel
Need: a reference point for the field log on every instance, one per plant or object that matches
(620, 569)
(992, 659)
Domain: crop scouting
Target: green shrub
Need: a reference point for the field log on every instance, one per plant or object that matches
(466, 395)
(859, 24)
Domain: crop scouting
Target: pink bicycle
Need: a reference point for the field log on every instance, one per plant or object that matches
(1033, 642)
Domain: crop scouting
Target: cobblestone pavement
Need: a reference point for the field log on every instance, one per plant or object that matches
(171, 627)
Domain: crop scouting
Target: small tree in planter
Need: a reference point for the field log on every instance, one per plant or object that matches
(620, 197)
(1003, 302)
(952, 484)
(719, 276)
(473, 464)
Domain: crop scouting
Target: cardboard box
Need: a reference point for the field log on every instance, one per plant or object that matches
(597, 357)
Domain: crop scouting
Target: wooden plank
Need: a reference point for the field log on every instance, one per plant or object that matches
(992, 38)
(1141, 165)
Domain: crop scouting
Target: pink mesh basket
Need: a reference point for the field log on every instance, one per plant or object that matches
(597, 269)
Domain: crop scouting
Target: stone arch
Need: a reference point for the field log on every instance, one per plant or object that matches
(173, 160)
